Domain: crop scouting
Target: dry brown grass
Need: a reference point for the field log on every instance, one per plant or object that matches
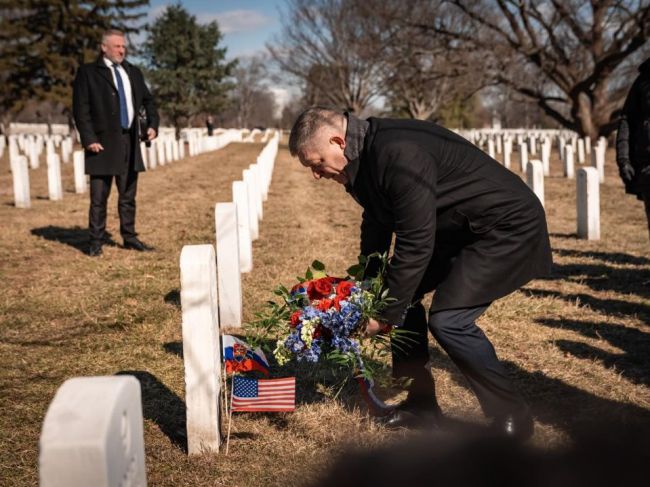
(576, 343)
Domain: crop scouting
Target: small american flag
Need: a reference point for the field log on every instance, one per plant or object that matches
(255, 395)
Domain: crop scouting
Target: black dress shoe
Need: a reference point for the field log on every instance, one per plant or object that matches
(518, 426)
(95, 250)
(413, 416)
(135, 244)
(400, 419)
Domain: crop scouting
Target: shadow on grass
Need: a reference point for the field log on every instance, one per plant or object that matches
(610, 257)
(633, 363)
(173, 297)
(606, 306)
(563, 405)
(76, 236)
(175, 348)
(602, 277)
(162, 406)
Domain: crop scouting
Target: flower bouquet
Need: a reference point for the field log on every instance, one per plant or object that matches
(324, 317)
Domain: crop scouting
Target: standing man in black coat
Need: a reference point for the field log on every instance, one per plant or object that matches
(633, 139)
(464, 226)
(107, 97)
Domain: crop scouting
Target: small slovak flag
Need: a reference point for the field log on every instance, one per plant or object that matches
(240, 357)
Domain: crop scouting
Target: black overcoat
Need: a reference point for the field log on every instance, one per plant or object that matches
(633, 136)
(96, 109)
(463, 224)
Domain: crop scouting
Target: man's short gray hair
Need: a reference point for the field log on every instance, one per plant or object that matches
(309, 123)
(111, 32)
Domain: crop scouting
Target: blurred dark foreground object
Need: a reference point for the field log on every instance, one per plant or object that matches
(612, 457)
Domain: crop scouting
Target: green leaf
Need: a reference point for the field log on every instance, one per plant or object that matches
(318, 265)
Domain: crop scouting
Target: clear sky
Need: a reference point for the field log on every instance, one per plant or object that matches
(246, 24)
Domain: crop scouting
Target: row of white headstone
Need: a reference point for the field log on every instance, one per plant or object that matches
(587, 197)
(159, 152)
(500, 141)
(587, 185)
(499, 144)
(93, 430)
(211, 296)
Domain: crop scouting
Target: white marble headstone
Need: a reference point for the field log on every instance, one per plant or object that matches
(78, 162)
(20, 175)
(201, 347)
(93, 435)
(240, 198)
(588, 203)
(535, 178)
(54, 184)
(569, 164)
(252, 204)
(228, 272)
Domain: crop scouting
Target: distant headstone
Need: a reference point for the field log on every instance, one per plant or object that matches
(152, 155)
(201, 347)
(535, 178)
(78, 162)
(533, 144)
(491, 149)
(54, 184)
(92, 435)
(546, 156)
(523, 156)
(569, 165)
(598, 160)
(228, 273)
(581, 151)
(240, 198)
(507, 152)
(252, 204)
(588, 203)
(20, 174)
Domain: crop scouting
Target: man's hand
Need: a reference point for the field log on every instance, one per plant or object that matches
(375, 327)
(96, 147)
(151, 134)
(626, 170)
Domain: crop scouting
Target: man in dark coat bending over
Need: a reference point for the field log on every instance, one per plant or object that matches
(464, 226)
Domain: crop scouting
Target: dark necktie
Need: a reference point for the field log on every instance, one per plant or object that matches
(124, 114)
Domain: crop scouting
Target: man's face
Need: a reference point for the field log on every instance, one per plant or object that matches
(114, 48)
(325, 158)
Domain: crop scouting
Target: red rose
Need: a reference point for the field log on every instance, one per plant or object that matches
(336, 303)
(323, 286)
(344, 288)
(318, 332)
(324, 304)
(319, 288)
(295, 318)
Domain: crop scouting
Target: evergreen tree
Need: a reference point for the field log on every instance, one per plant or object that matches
(186, 66)
(43, 42)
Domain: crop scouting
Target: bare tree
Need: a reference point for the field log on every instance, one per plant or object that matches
(568, 52)
(420, 72)
(332, 49)
(249, 78)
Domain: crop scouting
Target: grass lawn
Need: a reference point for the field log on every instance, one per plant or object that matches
(576, 344)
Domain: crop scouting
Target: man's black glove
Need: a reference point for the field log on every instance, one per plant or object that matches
(626, 170)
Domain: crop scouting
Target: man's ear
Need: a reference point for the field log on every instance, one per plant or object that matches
(338, 140)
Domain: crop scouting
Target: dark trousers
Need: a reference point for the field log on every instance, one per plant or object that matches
(100, 189)
(466, 344)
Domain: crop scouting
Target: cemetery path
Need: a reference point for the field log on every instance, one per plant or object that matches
(576, 344)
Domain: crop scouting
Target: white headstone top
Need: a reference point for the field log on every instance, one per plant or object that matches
(201, 347)
(92, 434)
